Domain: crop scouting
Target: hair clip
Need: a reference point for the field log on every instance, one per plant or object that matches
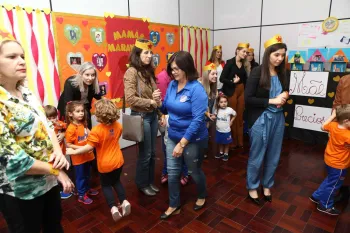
(69, 102)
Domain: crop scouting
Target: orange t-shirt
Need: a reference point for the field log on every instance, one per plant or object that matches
(77, 135)
(105, 138)
(336, 154)
(60, 127)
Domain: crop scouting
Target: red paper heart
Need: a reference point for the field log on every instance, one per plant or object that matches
(84, 22)
(162, 29)
(86, 47)
(99, 60)
(162, 48)
(59, 20)
(175, 30)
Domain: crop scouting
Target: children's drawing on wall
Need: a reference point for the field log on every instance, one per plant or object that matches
(297, 59)
(317, 57)
(75, 60)
(339, 59)
(156, 59)
(98, 37)
(103, 88)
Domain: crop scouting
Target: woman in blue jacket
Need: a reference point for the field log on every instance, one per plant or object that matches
(186, 103)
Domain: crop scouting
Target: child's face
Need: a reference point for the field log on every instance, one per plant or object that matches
(78, 113)
(53, 119)
(223, 103)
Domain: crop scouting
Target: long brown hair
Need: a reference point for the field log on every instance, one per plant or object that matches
(70, 109)
(147, 71)
(213, 58)
(265, 67)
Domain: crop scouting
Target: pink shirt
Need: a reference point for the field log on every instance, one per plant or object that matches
(163, 81)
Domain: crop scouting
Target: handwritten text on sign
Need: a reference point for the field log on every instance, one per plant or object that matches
(309, 117)
(305, 83)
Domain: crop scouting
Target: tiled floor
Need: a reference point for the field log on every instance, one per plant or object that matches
(227, 209)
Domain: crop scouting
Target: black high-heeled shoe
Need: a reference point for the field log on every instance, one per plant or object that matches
(267, 197)
(198, 207)
(164, 216)
(256, 201)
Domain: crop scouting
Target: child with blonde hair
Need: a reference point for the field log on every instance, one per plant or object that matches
(104, 137)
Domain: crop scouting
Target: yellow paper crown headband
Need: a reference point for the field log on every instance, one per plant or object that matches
(217, 47)
(211, 66)
(147, 45)
(168, 56)
(251, 50)
(276, 39)
(243, 45)
(5, 35)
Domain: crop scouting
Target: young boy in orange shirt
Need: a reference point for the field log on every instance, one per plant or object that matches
(337, 159)
(105, 138)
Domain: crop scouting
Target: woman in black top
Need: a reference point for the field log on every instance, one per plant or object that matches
(234, 78)
(266, 93)
(82, 87)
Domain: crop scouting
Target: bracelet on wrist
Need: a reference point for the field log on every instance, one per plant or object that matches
(54, 171)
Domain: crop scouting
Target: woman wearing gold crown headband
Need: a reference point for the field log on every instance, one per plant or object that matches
(234, 77)
(266, 93)
(31, 157)
(216, 58)
(139, 85)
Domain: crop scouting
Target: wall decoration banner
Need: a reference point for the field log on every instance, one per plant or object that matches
(33, 29)
(304, 83)
(166, 40)
(312, 35)
(310, 117)
(80, 38)
(121, 34)
(196, 41)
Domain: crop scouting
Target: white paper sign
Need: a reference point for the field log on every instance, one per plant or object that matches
(309, 117)
(305, 83)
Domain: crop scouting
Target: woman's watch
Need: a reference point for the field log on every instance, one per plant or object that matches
(182, 145)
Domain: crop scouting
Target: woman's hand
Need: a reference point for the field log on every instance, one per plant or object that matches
(178, 150)
(60, 137)
(59, 161)
(236, 79)
(67, 184)
(156, 95)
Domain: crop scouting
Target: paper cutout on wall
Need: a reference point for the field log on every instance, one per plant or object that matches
(303, 83)
(163, 47)
(97, 35)
(72, 33)
(33, 31)
(170, 37)
(298, 57)
(339, 55)
(75, 60)
(99, 60)
(317, 55)
(154, 37)
(156, 60)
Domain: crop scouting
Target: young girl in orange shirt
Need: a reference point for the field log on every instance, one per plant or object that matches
(76, 135)
(105, 138)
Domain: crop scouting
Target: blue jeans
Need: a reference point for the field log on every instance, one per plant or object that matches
(193, 156)
(165, 171)
(82, 177)
(147, 150)
(328, 189)
(266, 137)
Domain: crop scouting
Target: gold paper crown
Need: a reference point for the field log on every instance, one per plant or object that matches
(243, 45)
(251, 50)
(211, 66)
(147, 45)
(168, 56)
(276, 39)
(217, 47)
(5, 35)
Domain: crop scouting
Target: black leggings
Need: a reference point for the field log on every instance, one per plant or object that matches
(41, 214)
(109, 180)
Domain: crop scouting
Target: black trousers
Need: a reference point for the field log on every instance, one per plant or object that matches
(112, 180)
(41, 214)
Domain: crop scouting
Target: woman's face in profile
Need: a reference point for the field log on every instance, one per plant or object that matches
(89, 77)
(177, 73)
(12, 63)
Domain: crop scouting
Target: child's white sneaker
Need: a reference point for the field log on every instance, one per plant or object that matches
(115, 213)
(126, 207)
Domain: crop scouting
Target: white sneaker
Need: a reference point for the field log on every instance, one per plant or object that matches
(126, 207)
(115, 213)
